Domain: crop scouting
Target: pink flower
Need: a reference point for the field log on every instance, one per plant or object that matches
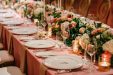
(98, 30)
(73, 24)
(69, 19)
(94, 32)
(82, 30)
(89, 47)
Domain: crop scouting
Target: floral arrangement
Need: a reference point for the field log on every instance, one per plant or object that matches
(83, 31)
(58, 19)
(32, 10)
(6, 3)
(74, 28)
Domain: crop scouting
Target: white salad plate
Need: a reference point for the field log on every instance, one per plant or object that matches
(13, 22)
(64, 62)
(24, 31)
(45, 54)
(40, 44)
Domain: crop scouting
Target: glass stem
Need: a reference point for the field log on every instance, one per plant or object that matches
(85, 54)
(94, 58)
(91, 59)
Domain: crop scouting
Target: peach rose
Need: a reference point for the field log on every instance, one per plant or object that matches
(69, 19)
(82, 30)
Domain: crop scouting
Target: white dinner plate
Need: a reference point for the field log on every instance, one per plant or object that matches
(40, 44)
(13, 22)
(7, 15)
(24, 31)
(64, 62)
(13, 27)
(45, 54)
(3, 10)
(26, 38)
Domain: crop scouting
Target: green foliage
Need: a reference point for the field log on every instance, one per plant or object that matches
(97, 25)
(56, 14)
(55, 30)
(74, 32)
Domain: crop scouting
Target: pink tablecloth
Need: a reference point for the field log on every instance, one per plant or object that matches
(26, 59)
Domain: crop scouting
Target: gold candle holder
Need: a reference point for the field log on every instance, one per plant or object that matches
(104, 62)
(49, 30)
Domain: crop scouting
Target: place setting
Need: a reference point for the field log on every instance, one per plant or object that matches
(44, 53)
(24, 31)
(40, 44)
(64, 63)
(12, 22)
(57, 37)
(4, 10)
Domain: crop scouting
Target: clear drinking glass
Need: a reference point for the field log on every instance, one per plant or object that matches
(44, 23)
(91, 51)
(59, 41)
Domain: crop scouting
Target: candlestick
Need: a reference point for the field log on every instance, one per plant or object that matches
(44, 9)
(104, 66)
(60, 3)
(104, 62)
(49, 30)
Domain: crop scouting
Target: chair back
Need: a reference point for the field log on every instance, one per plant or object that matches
(76, 4)
(110, 16)
(84, 7)
(103, 10)
(68, 4)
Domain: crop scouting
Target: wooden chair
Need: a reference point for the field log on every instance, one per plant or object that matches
(68, 4)
(93, 6)
(76, 5)
(84, 7)
(103, 11)
(11, 70)
(110, 16)
(1, 46)
(5, 58)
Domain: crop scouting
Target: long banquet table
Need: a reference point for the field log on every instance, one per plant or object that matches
(25, 57)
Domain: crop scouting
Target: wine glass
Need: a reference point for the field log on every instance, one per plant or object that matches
(44, 23)
(91, 51)
(96, 47)
(58, 39)
(65, 35)
(27, 22)
(92, 17)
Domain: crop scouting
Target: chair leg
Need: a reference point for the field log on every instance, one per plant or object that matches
(7, 64)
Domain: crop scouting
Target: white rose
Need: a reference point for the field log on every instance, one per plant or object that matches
(16, 5)
(40, 4)
(38, 11)
(63, 18)
(50, 7)
(108, 46)
(75, 46)
(84, 40)
(82, 30)
(105, 25)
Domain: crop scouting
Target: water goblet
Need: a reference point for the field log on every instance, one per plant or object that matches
(91, 51)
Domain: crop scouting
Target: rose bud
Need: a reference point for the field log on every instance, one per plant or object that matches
(94, 32)
(82, 30)
(89, 47)
(100, 30)
(69, 19)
